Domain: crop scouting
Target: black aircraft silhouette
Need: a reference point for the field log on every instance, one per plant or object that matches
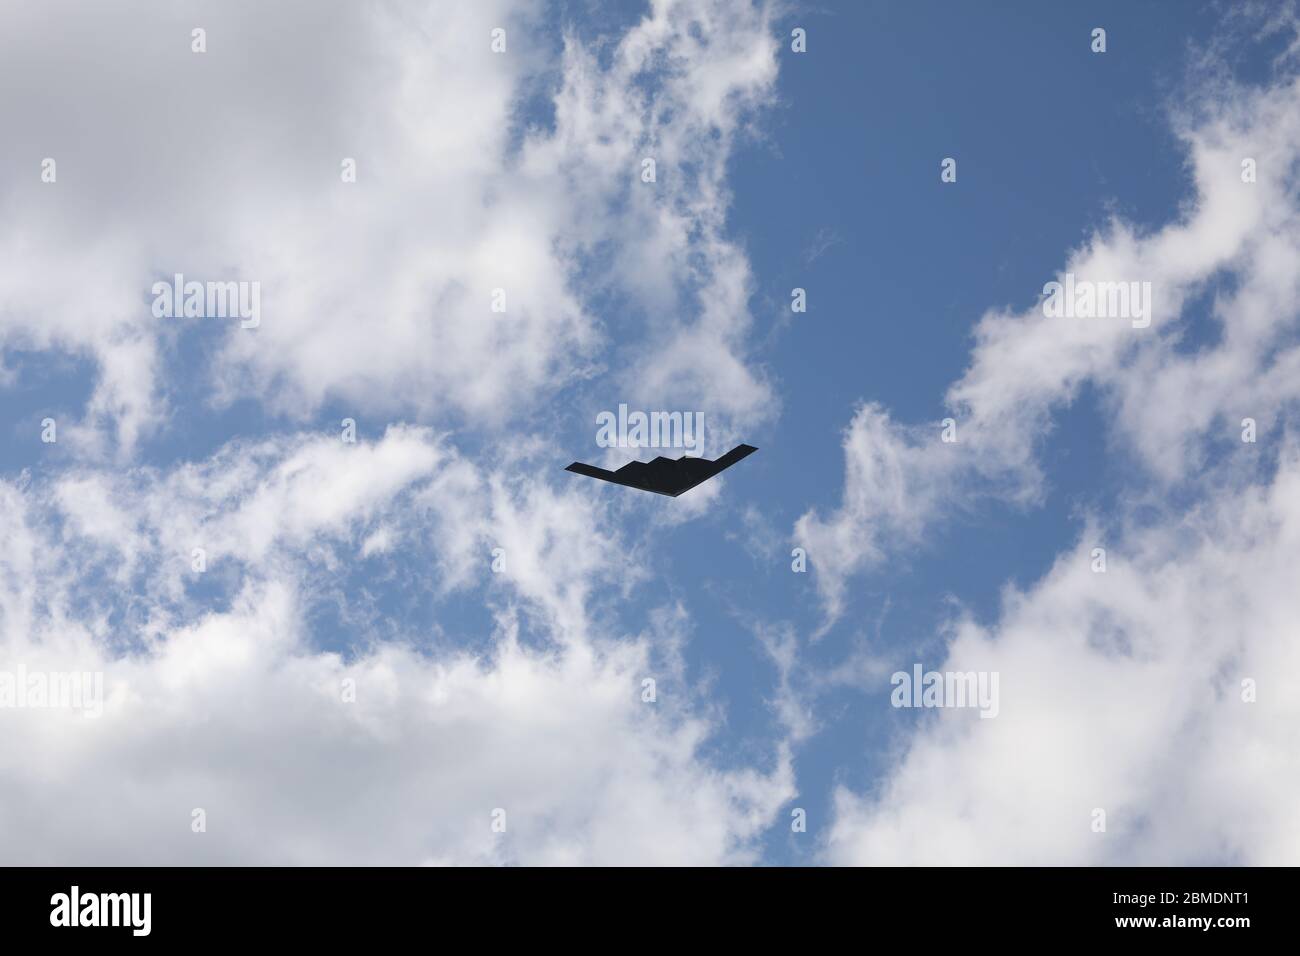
(664, 476)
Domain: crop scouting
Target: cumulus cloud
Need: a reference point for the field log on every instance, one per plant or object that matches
(1121, 692)
(204, 590)
(227, 165)
(1130, 692)
(399, 751)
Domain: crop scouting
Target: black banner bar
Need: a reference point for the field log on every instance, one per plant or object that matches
(331, 906)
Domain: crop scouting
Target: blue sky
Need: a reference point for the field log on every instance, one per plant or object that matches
(521, 688)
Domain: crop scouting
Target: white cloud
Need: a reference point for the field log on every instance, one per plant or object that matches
(1120, 691)
(377, 295)
(1166, 407)
(232, 706)
(226, 165)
